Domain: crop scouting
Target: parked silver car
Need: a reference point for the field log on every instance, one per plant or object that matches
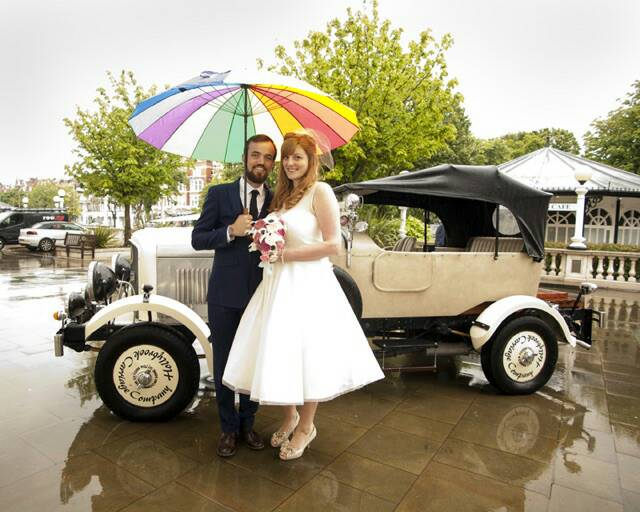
(45, 236)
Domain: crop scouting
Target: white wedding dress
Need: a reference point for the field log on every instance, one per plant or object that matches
(298, 339)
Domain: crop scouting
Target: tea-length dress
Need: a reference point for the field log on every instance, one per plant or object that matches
(299, 339)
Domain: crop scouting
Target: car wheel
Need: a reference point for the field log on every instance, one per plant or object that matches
(147, 373)
(46, 245)
(485, 361)
(350, 289)
(523, 356)
(2, 243)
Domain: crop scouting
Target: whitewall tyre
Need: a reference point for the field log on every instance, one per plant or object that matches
(521, 357)
(147, 372)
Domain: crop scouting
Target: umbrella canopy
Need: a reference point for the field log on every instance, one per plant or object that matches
(211, 116)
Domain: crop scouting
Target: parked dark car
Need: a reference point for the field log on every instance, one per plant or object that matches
(12, 221)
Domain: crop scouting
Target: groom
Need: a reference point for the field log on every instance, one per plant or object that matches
(223, 226)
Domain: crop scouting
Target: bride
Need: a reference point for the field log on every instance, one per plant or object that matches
(298, 342)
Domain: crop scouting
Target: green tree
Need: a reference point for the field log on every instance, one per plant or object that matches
(513, 145)
(13, 196)
(464, 149)
(42, 194)
(111, 161)
(400, 93)
(615, 140)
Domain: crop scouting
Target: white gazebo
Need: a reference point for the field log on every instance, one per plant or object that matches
(612, 212)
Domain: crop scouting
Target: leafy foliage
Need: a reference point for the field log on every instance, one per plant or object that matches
(12, 197)
(42, 194)
(513, 145)
(401, 96)
(597, 247)
(615, 140)
(105, 237)
(384, 225)
(112, 161)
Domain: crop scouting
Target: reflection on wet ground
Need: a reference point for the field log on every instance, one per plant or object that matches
(442, 441)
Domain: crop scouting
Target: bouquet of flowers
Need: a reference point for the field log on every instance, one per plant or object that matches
(268, 237)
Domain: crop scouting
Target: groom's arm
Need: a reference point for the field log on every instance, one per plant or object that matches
(208, 233)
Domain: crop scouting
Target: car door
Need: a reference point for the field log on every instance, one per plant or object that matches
(11, 226)
(70, 227)
(57, 231)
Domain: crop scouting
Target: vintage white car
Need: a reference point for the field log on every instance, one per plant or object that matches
(148, 318)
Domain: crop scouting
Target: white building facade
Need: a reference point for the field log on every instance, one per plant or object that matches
(99, 211)
(612, 212)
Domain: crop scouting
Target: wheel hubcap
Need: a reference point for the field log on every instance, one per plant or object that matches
(524, 356)
(146, 375)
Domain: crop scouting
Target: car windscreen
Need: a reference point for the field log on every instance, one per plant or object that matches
(42, 225)
(11, 219)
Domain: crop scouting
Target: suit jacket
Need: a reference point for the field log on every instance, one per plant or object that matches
(235, 275)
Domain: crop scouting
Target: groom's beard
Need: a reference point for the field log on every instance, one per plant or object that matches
(257, 174)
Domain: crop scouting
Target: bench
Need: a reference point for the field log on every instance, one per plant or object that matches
(488, 244)
(81, 242)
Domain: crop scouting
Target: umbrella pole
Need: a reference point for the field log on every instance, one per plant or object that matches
(246, 209)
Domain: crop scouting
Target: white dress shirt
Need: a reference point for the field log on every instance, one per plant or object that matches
(262, 194)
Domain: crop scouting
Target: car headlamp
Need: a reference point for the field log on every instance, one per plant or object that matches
(76, 304)
(353, 201)
(122, 267)
(102, 281)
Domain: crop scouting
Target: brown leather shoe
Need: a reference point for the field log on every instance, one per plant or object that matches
(227, 444)
(253, 439)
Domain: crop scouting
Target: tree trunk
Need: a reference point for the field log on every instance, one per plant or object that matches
(127, 223)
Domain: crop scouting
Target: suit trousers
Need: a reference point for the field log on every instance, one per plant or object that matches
(224, 323)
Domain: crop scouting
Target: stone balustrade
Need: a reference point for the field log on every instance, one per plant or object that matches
(612, 270)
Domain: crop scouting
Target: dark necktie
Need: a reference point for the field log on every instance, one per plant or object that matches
(253, 204)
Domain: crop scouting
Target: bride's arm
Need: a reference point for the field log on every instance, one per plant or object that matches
(325, 206)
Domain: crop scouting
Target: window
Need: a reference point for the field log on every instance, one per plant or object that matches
(197, 184)
(12, 220)
(599, 226)
(560, 226)
(629, 228)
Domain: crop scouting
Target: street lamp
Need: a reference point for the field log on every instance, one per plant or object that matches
(25, 201)
(61, 194)
(402, 231)
(582, 175)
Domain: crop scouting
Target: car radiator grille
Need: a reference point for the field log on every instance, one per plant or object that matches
(191, 285)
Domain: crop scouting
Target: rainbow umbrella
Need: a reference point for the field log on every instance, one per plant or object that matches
(211, 116)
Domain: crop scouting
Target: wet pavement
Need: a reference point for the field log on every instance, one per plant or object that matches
(413, 442)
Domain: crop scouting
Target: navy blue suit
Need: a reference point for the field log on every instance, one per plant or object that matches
(234, 278)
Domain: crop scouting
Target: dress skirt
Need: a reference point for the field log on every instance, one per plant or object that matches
(299, 339)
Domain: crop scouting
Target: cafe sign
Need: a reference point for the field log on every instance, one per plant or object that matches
(563, 207)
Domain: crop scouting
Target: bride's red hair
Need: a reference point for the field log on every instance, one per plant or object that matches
(287, 193)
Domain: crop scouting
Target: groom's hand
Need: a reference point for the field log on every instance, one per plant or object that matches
(241, 225)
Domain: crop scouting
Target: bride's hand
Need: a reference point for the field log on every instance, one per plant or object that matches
(278, 256)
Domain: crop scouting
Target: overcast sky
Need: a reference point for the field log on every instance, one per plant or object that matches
(521, 65)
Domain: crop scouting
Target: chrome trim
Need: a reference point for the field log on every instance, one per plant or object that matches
(582, 344)
(58, 347)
